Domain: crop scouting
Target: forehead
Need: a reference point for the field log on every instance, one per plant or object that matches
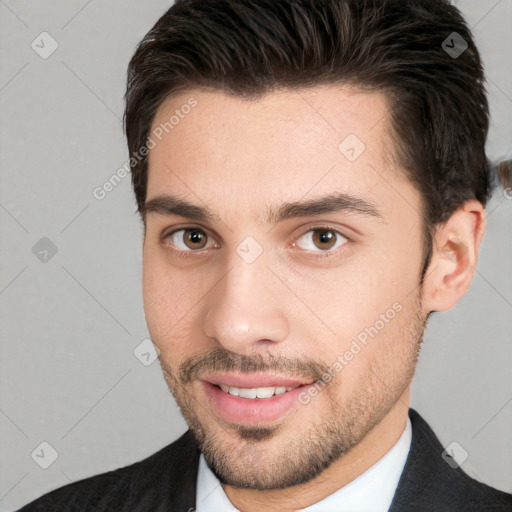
(283, 146)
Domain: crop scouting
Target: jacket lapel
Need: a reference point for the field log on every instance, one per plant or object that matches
(181, 480)
(425, 473)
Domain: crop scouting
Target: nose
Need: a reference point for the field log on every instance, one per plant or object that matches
(244, 312)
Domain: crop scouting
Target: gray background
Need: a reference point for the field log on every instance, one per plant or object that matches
(69, 325)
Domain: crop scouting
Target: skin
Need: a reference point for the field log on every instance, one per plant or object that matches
(294, 310)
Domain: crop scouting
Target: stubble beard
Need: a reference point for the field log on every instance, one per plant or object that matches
(268, 457)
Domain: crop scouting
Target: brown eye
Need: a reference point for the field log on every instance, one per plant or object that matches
(188, 239)
(323, 239)
(194, 239)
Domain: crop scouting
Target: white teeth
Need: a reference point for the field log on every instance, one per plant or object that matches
(264, 392)
(254, 392)
(248, 393)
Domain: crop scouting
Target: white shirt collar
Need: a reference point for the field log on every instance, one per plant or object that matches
(372, 491)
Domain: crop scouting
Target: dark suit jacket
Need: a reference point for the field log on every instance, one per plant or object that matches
(166, 481)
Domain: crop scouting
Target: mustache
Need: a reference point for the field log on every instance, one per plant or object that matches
(221, 360)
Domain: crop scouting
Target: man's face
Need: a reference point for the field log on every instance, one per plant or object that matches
(261, 295)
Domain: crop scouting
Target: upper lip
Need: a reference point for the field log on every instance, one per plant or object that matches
(254, 380)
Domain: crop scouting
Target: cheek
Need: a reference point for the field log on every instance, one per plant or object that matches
(349, 299)
(163, 295)
(364, 306)
(381, 352)
(379, 279)
(172, 299)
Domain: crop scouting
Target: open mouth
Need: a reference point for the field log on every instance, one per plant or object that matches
(255, 393)
(245, 399)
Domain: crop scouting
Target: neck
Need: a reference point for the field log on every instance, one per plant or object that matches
(361, 457)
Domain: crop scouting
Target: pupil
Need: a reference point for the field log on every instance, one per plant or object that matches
(195, 237)
(326, 238)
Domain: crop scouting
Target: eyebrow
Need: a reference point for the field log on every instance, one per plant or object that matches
(331, 203)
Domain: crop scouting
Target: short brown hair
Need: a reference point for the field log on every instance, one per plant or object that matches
(247, 48)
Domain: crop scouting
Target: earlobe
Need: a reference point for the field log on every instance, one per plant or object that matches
(454, 257)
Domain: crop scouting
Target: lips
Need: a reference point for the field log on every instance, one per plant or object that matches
(234, 398)
(253, 393)
(255, 380)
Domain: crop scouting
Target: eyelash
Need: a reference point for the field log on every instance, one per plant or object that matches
(322, 255)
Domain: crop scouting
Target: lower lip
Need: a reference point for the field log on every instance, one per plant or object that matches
(235, 409)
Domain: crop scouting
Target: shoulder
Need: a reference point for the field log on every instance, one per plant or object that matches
(433, 481)
(156, 480)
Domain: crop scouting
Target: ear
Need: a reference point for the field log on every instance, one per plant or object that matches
(454, 257)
